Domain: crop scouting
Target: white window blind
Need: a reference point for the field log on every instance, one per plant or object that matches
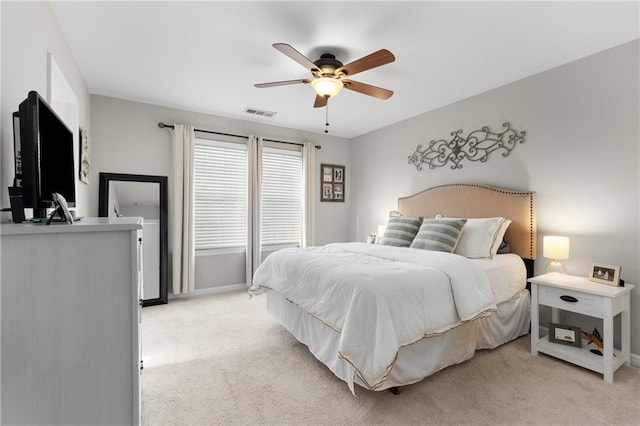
(281, 196)
(220, 194)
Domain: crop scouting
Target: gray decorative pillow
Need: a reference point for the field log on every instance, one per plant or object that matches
(400, 231)
(439, 234)
(504, 248)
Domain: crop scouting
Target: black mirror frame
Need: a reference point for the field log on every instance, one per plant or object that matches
(103, 206)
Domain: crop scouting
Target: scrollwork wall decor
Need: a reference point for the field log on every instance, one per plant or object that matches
(476, 146)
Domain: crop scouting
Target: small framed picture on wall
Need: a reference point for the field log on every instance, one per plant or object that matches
(337, 191)
(337, 174)
(327, 173)
(332, 182)
(327, 192)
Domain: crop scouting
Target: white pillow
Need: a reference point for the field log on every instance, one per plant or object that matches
(480, 236)
(500, 237)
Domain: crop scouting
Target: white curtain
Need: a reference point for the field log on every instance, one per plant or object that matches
(254, 245)
(183, 260)
(308, 172)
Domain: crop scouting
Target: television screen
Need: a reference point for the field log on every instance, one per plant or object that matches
(46, 155)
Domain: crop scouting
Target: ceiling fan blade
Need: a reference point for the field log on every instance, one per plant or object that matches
(376, 59)
(282, 83)
(296, 56)
(320, 102)
(367, 89)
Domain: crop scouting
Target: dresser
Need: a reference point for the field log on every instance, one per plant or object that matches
(70, 299)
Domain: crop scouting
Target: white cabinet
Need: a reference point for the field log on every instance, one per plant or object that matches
(70, 322)
(577, 294)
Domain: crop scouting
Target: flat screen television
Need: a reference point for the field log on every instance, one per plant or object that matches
(44, 156)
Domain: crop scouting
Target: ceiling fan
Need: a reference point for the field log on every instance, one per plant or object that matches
(330, 75)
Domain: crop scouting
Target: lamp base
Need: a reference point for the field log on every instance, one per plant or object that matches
(556, 266)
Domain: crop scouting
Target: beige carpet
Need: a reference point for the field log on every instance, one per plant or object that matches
(220, 359)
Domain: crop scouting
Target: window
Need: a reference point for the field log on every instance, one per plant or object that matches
(282, 190)
(220, 194)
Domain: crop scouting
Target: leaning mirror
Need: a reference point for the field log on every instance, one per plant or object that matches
(143, 196)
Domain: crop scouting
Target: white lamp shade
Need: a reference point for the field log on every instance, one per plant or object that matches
(555, 247)
(326, 86)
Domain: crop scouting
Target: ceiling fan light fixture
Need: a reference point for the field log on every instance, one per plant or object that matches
(327, 86)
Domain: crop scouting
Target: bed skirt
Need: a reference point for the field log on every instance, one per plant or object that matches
(415, 361)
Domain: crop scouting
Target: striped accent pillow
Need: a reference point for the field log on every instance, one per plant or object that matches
(400, 231)
(439, 234)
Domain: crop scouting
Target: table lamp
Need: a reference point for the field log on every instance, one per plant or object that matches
(556, 249)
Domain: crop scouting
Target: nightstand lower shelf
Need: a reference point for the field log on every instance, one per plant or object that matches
(579, 356)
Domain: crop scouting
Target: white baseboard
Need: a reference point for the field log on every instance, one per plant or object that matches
(211, 290)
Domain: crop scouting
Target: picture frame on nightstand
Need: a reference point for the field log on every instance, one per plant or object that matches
(605, 274)
(565, 335)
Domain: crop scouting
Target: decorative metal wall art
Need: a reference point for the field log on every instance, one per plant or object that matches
(476, 146)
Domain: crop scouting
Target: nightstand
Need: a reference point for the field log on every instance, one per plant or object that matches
(587, 298)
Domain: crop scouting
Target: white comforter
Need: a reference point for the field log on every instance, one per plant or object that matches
(379, 298)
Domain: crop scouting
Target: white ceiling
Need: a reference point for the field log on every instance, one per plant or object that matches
(206, 56)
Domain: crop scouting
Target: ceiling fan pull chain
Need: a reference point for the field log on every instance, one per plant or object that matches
(326, 121)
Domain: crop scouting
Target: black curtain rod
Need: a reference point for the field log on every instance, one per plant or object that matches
(162, 126)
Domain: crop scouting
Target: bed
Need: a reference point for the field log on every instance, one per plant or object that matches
(383, 316)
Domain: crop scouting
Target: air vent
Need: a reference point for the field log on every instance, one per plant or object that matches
(260, 112)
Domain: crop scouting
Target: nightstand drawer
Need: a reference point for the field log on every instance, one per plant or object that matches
(575, 301)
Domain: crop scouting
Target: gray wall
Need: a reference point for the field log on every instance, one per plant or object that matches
(125, 139)
(24, 68)
(581, 156)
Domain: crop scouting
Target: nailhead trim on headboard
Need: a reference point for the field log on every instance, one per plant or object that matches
(529, 194)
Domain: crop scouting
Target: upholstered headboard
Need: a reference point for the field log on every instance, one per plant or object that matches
(473, 200)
